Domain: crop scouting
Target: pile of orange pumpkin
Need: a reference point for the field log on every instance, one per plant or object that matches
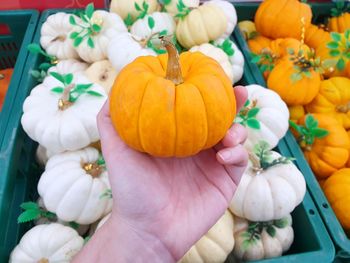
(308, 65)
(5, 78)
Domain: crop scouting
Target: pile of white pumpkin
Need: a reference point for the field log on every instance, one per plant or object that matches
(60, 114)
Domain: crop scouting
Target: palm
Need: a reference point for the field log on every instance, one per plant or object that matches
(188, 194)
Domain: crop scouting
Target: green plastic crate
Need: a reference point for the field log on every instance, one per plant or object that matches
(311, 238)
(19, 27)
(246, 11)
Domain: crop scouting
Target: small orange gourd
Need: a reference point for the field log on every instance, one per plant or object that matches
(325, 143)
(296, 79)
(333, 99)
(340, 20)
(172, 105)
(258, 43)
(296, 112)
(337, 191)
(282, 18)
(316, 36)
(5, 78)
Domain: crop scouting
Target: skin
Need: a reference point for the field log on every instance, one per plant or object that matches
(162, 206)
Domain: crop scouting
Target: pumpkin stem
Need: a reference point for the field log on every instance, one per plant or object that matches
(173, 71)
(43, 260)
(343, 108)
(94, 169)
(256, 163)
(63, 102)
(144, 42)
(2, 76)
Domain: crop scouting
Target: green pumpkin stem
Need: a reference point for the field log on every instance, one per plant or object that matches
(173, 71)
(308, 132)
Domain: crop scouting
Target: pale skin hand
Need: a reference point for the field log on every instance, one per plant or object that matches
(162, 206)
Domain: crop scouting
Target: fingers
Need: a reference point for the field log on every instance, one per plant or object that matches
(237, 134)
(110, 140)
(236, 156)
(241, 95)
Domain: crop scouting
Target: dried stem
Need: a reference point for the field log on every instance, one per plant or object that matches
(173, 71)
(93, 169)
(63, 102)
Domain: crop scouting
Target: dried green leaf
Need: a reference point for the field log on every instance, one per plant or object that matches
(29, 205)
(137, 7)
(281, 223)
(253, 124)
(253, 112)
(332, 45)
(77, 41)
(45, 66)
(151, 22)
(74, 225)
(271, 231)
(334, 52)
(310, 122)
(96, 28)
(68, 78)
(89, 10)
(128, 20)
(57, 76)
(34, 48)
(295, 77)
(90, 42)
(341, 64)
(72, 20)
(94, 93)
(73, 35)
(57, 90)
(320, 133)
(336, 36)
(28, 215)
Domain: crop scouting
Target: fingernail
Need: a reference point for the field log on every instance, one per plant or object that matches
(225, 155)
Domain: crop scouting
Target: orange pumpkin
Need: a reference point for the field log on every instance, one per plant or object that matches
(282, 18)
(296, 112)
(325, 153)
(175, 106)
(297, 81)
(258, 43)
(348, 162)
(333, 99)
(340, 52)
(337, 191)
(340, 20)
(316, 36)
(5, 78)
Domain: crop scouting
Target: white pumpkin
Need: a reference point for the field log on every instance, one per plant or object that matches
(111, 25)
(68, 66)
(102, 73)
(268, 192)
(58, 124)
(216, 245)
(171, 8)
(217, 54)
(47, 243)
(54, 36)
(201, 25)
(125, 48)
(125, 7)
(73, 185)
(235, 56)
(230, 13)
(263, 239)
(81, 229)
(270, 115)
(144, 29)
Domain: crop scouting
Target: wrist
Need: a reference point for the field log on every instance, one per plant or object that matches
(116, 241)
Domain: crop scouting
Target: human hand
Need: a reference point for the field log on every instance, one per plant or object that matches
(162, 206)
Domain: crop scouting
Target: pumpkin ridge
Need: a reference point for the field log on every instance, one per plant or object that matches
(139, 117)
(206, 115)
(203, 23)
(278, 14)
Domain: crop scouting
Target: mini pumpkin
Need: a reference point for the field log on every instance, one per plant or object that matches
(258, 43)
(337, 189)
(5, 79)
(235, 56)
(47, 243)
(71, 106)
(218, 54)
(248, 29)
(282, 18)
(102, 73)
(296, 79)
(216, 245)
(296, 112)
(133, 8)
(54, 36)
(152, 113)
(230, 13)
(260, 240)
(68, 66)
(340, 20)
(333, 99)
(78, 194)
(125, 48)
(270, 188)
(265, 116)
(316, 36)
(92, 37)
(202, 24)
(324, 141)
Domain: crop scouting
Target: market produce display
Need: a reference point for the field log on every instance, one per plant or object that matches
(168, 68)
(313, 64)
